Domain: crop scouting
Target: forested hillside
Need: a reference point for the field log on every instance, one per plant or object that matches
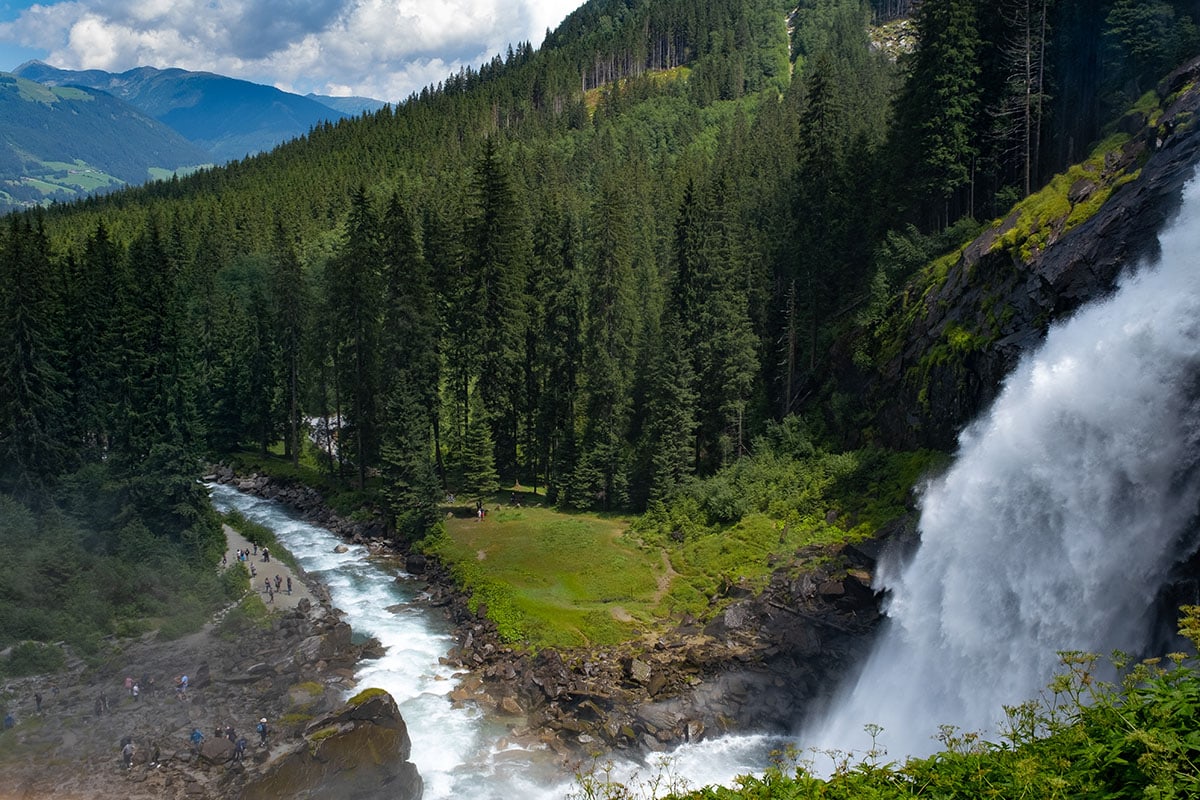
(603, 267)
(58, 144)
(226, 117)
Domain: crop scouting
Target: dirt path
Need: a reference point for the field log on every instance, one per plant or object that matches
(264, 571)
(663, 585)
(664, 580)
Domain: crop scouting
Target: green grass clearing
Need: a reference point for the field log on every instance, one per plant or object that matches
(553, 579)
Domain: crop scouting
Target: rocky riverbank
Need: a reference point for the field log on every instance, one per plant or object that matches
(756, 666)
(293, 669)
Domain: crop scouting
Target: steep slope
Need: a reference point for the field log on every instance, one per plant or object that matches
(229, 118)
(960, 327)
(62, 143)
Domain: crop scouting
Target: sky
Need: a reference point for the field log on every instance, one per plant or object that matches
(385, 49)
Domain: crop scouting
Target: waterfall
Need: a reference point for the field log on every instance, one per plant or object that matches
(1056, 525)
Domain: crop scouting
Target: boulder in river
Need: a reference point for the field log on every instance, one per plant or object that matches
(359, 750)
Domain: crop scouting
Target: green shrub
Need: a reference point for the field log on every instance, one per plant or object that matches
(33, 658)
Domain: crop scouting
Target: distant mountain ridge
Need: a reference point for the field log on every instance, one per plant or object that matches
(228, 117)
(349, 105)
(60, 143)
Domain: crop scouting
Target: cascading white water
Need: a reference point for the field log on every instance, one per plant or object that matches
(459, 751)
(1057, 523)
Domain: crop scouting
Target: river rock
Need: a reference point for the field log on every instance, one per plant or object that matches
(359, 750)
(216, 751)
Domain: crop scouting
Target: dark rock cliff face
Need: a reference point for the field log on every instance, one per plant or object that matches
(926, 389)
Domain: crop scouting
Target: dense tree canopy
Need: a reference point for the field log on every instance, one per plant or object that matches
(600, 267)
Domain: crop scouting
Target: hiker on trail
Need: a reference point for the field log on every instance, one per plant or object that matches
(278, 580)
(253, 571)
(9, 721)
(239, 748)
(289, 584)
(197, 738)
(129, 684)
(127, 754)
(266, 554)
(37, 699)
(256, 548)
(137, 690)
(262, 731)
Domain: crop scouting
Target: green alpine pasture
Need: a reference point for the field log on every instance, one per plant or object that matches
(550, 578)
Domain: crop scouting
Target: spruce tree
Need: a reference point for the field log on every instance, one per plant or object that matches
(938, 108)
(600, 478)
(498, 261)
(90, 305)
(289, 313)
(354, 294)
(410, 483)
(565, 311)
(33, 424)
(479, 476)
(410, 375)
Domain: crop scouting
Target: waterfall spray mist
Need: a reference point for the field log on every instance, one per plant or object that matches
(1056, 526)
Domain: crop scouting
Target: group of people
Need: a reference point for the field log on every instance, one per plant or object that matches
(239, 742)
(243, 556)
(128, 748)
(271, 588)
(135, 688)
(196, 737)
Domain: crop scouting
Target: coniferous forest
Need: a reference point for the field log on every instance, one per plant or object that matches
(606, 268)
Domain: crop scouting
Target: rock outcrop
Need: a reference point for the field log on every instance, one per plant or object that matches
(295, 669)
(958, 337)
(359, 750)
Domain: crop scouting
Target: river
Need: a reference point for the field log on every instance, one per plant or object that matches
(459, 750)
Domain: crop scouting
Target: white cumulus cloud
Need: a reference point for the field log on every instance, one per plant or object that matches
(377, 48)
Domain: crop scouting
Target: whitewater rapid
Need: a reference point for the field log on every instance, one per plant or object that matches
(1057, 523)
(459, 751)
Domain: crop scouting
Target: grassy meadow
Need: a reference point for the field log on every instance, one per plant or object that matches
(550, 578)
